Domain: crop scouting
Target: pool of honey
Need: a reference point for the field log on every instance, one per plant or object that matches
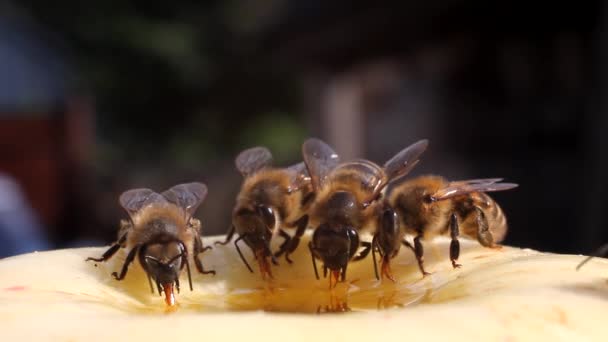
(346, 297)
(293, 289)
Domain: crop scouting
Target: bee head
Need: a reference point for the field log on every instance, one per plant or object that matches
(163, 262)
(255, 226)
(335, 246)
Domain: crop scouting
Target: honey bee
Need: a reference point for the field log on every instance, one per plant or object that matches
(269, 200)
(601, 252)
(345, 203)
(160, 232)
(427, 206)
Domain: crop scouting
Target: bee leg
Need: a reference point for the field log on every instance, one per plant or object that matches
(107, 255)
(367, 247)
(196, 226)
(314, 262)
(302, 223)
(236, 244)
(484, 236)
(198, 249)
(283, 246)
(125, 266)
(111, 251)
(454, 244)
(602, 251)
(273, 259)
(418, 252)
(228, 237)
(185, 261)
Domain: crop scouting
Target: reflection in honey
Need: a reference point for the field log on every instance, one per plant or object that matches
(337, 304)
(294, 288)
(293, 298)
(306, 300)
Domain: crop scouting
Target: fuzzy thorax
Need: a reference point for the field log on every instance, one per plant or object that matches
(153, 220)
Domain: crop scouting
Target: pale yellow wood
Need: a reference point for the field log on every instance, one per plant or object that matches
(498, 295)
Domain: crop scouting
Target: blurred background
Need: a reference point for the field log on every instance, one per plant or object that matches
(100, 97)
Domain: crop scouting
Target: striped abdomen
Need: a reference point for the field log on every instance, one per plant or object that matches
(471, 221)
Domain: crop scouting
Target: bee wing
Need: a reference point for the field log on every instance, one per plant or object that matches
(133, 200)
(458, 188)
(479, 181)
(252, 160)
(403, 162)
(299, 176)
(371, 175)
(398, 166)
(320, 159)
(187, 196)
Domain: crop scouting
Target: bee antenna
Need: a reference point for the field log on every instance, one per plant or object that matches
(374, 244)
(180, 255)
(603, 250)
(144, 264)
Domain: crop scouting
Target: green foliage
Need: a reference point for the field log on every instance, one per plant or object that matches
(280, 132)
(180, 81)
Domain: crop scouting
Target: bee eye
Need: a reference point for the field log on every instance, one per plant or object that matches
(267, 215)
(427, 199)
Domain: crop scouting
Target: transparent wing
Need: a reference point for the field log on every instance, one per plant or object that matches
(133, 200)
(403, 162)
(458, 188)
(370, 175)
(299, 176)
(252, 160)
(187, 196)
(479, 181)
(320, 159)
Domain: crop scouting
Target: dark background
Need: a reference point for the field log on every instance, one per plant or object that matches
(100, 97)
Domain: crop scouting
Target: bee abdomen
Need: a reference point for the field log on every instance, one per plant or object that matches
(497, 221)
